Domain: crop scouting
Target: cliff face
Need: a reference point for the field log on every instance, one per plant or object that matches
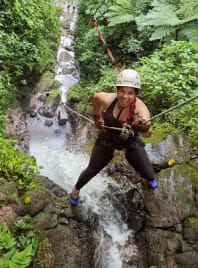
(163, 221)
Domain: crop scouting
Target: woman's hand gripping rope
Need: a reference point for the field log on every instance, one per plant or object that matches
(99, 122)
(140, 125)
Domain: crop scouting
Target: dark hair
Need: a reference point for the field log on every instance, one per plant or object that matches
(136, 90)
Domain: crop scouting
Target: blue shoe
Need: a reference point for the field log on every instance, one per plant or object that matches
(153, 184)
(74, 198)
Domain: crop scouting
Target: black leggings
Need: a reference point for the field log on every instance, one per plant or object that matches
(102, 155)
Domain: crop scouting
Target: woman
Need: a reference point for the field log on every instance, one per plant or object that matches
(121, 108)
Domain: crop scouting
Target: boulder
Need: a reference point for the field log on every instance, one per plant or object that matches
(178, 146)
(171, 202)
(50, 105)
(46, 82)
(16, 129)
(48, 123)
(162, 247)
(39, 199)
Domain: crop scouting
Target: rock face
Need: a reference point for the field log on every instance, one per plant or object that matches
(67, 239)
(160, 153)
(163, 221)
(164, 217)
(16, 129)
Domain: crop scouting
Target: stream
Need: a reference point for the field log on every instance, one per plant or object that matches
(63, 166)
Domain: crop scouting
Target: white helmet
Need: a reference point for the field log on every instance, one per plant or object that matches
(129, 78)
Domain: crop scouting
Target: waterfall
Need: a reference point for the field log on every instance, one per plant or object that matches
(63, 166)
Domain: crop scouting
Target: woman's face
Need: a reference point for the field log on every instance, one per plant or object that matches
(125, 96)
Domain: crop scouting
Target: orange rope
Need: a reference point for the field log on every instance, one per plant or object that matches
(108, 50)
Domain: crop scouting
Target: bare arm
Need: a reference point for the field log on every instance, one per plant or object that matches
(101, 99)
(143, 113)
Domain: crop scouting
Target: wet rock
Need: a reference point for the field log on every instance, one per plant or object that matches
(33, 114)
(64, 56)
(188, 259)
(48, 123)
(69, 48)
(45, 83)
(40, 198)
(58, 131)
(45, 111)
(167, 205)
(50, 105)
(62, 121)
(63, 220)
(131, 208)
(162, 247)
(53, 187)
(68, 250)
(49, 222)
(122, 169)
(42, 98)
(161, 152)
(34, 106)
(16, 129)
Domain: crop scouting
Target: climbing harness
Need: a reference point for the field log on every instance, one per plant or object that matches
(108, 50)
(126, 130)
(86, 118)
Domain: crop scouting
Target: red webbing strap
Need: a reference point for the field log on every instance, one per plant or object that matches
(108, 50)
(131, 114)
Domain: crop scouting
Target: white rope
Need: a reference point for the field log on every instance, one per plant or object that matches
(86, 118)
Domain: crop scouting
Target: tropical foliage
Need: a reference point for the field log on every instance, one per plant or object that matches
(124, 39)
(168, 77)
(131, 29)
(16, 166)
(175, 21)
(29, 35)
(11, 255)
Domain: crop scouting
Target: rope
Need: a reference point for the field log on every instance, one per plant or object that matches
(86, 118)
(121, 129)
(108, 50)
(171, 109)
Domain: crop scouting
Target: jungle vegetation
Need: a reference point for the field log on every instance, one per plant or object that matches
(158, 38)
(29, 37)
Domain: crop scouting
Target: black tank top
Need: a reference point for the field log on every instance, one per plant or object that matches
(110, 137)
(109, 119)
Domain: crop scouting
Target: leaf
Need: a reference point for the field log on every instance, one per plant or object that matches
(161, 15)
(21, 259)
(188, 32)
(162, 32)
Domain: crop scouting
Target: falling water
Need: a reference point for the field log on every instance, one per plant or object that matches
(63, 166)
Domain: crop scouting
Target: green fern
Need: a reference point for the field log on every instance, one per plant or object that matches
(162, 32)
(189, 33)
(188, 8)
(6, 241)
(121, 12)
(15, 259)
(166, 19)
(124, 11)
(21, 259)
(161, 15)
